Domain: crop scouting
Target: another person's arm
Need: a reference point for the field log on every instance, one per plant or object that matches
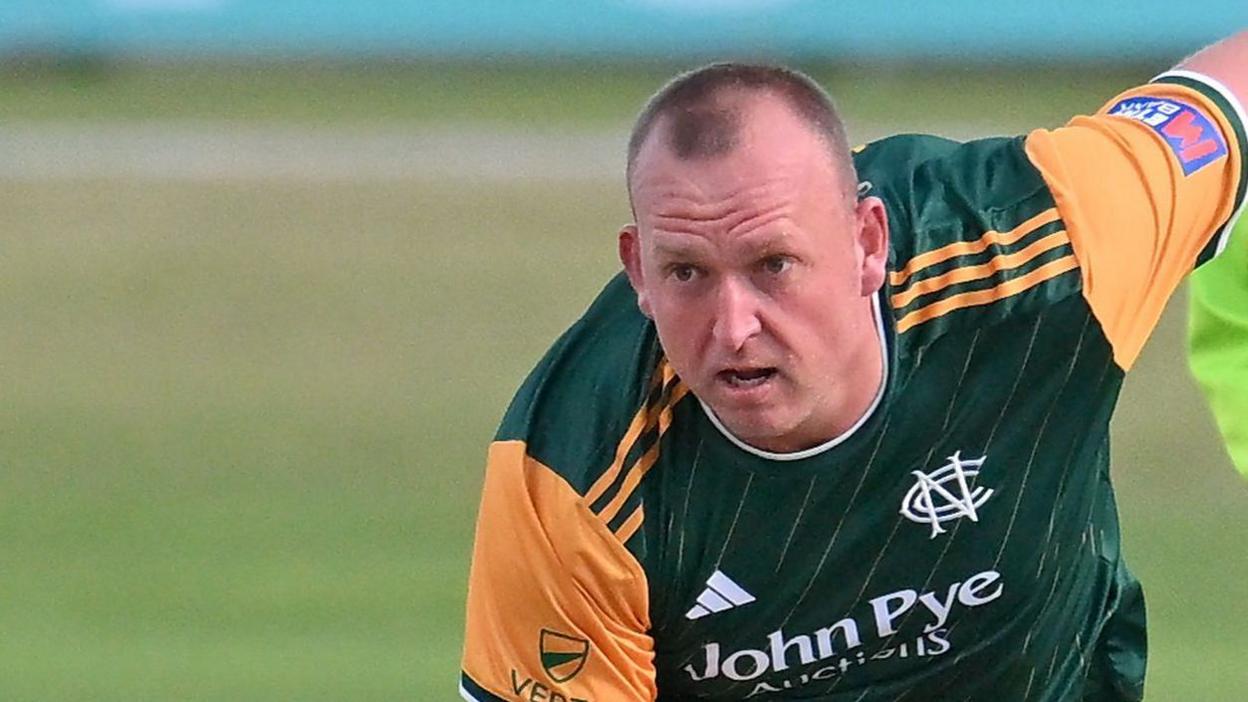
(1218, 337)
(1219, 307)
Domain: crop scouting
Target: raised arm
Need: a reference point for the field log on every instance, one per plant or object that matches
(1149, 188)
(1225, 62)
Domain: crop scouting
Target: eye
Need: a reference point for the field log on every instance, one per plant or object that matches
(682, 272)
(775, 265)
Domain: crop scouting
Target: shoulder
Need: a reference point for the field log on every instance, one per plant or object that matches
(543, 560)
(939, 191)
(603, 375)
(901, 152)
(975, 235)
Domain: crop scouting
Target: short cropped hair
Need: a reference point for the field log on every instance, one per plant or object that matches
(706, 112)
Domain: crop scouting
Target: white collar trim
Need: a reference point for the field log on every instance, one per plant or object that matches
(835, 441)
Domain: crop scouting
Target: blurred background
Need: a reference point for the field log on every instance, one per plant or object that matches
(272, 270)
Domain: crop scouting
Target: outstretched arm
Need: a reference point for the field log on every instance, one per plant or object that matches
(1225, 62)
(1149, 187)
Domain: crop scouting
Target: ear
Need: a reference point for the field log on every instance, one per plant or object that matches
(630, 256)
(872, 242)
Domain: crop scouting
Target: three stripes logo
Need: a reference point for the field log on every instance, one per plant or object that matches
(997, 265)
(614, 497)
(721, 594)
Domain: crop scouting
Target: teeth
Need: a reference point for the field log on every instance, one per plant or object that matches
(755, 378)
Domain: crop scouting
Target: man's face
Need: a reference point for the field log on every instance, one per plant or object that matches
(758, 270)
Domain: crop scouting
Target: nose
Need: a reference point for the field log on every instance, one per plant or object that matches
(736, 315)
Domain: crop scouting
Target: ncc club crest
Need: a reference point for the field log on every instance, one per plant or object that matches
(563, 656)
(945, 494)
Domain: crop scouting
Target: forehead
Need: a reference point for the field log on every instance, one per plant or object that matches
(774, 153)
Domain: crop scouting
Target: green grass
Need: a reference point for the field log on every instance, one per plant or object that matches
(245, 428)
(244, 424)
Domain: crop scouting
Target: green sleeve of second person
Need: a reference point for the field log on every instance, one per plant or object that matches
(1218, 340)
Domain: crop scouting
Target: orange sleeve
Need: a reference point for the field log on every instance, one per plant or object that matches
(1146, 188)
(557, 606)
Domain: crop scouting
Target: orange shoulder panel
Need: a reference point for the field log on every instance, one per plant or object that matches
(1139, 208)
(556, 604)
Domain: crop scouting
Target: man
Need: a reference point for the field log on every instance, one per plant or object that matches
(840, 434)
(1218, 326)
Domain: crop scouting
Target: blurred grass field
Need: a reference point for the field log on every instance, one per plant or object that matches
(245, 418)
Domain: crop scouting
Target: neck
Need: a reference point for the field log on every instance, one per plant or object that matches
(856, 395)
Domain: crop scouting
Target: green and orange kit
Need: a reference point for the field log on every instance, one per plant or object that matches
(961, 542)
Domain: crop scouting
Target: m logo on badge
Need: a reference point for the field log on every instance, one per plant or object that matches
(563, 656)
(946, 494)
(1193, 137)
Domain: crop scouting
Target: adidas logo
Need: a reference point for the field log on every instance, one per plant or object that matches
(720, 594)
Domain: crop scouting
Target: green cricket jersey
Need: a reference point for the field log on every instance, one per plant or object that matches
(1218, 341)
(961, 542)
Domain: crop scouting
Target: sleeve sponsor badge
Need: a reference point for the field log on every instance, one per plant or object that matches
(1195, 140)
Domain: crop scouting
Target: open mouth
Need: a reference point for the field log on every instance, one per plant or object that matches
(746, 377)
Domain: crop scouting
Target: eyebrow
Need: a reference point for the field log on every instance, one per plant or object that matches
(765, 242)
(680, 248)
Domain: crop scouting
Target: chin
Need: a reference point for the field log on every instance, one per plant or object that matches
(759, 430)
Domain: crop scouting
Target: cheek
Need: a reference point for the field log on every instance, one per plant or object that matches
(682, 327)
(814, 328)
